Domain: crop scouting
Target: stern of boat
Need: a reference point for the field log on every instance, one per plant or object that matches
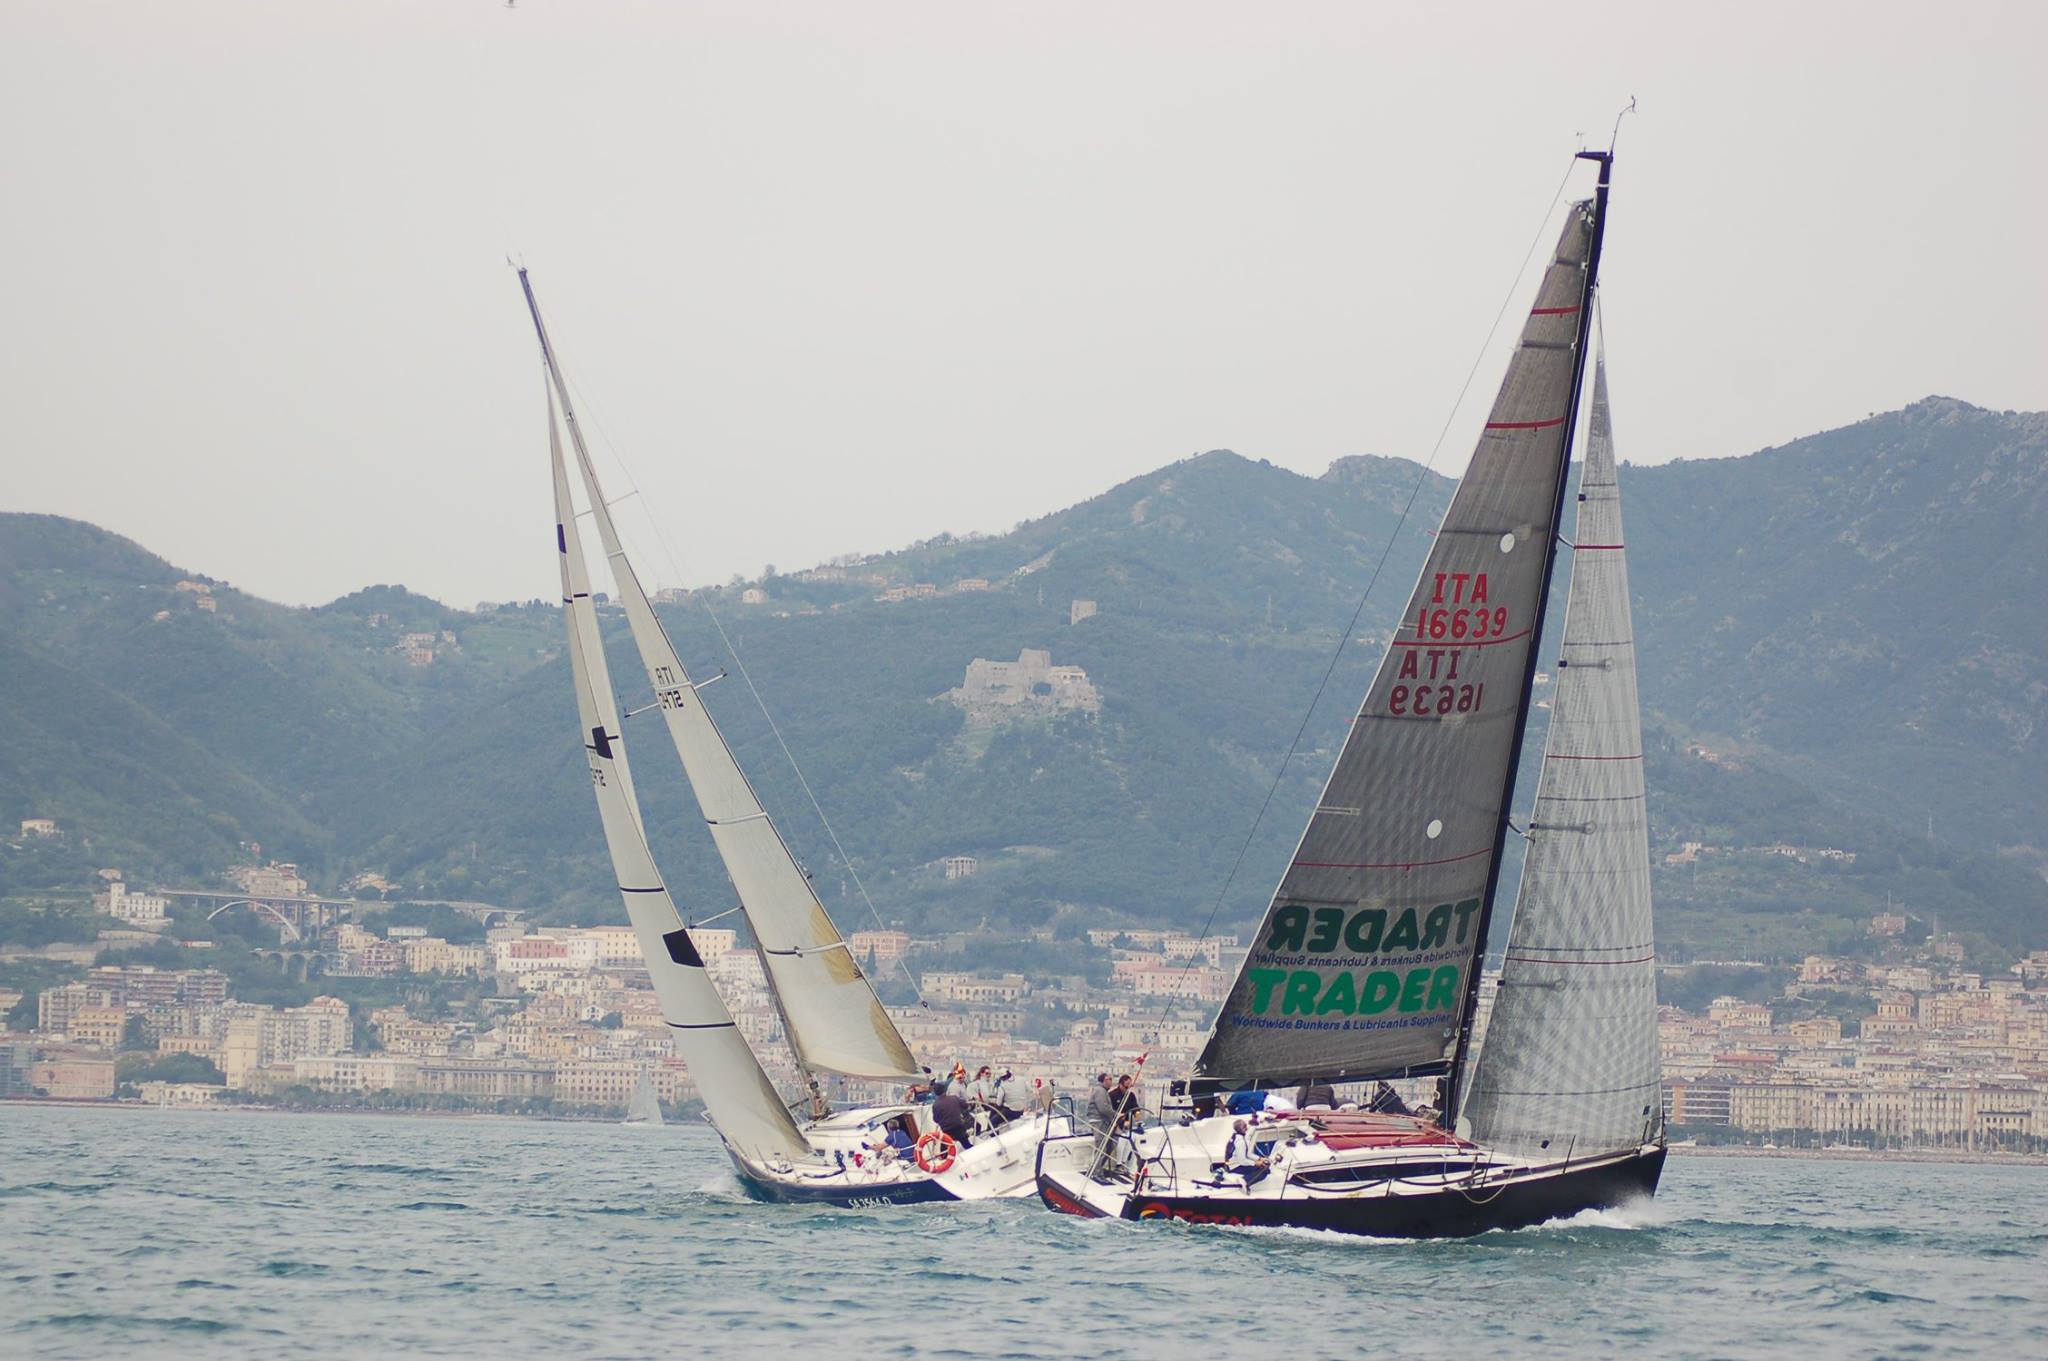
(1062, 1175)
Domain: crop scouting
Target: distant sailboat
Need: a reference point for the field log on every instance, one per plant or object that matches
(1365, 966)
(645, 1107)
(834, 1022)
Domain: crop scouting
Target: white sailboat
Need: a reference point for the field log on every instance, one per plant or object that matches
(834, 1022)
(644, 1107)
(1365, 965)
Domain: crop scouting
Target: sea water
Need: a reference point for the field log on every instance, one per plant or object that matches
(248, 1234)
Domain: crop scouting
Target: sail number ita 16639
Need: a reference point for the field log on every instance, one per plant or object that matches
(1457, 613)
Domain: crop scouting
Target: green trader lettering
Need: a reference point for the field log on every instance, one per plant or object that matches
(1365, 931)
(1307, 994)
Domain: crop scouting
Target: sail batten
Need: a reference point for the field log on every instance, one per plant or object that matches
(1570, 1059)
(1363, 963)
(735, 1090)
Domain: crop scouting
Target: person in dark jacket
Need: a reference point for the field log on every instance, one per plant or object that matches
(949, 1113)
(1316, 1094)
(1125, 1102)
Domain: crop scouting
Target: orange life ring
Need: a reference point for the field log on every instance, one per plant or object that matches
(948, 1149)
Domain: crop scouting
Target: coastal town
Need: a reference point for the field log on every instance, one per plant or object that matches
(1907, 1048)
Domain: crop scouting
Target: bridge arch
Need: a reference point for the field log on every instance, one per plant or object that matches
(258, 906)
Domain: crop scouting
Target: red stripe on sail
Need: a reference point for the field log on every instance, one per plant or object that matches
(1452, 644)
(1552, 311)
(1530, 959)
(1524, 425)
(1390, 865)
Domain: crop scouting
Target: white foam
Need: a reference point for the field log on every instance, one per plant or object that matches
(1321, 1237)
(1636, 1214)
(725, 1185)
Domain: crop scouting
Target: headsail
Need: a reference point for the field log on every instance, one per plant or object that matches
(736, 1093)
(835, 1020)
(1362, 964)
(1570, 1061)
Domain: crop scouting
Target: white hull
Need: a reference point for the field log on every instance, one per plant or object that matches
(843, 1168)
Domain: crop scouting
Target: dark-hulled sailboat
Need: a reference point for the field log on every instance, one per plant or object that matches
(1365, 966)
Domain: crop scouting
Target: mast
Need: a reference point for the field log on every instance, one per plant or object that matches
(1448, 1118)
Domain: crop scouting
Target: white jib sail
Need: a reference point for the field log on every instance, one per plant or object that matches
(741, 1101)
(836, 1021)
(1570, 1065)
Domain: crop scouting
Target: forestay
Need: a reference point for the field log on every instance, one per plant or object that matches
(1361, 963)
(835, 1020)
(736, 1093)
(1570, 1059)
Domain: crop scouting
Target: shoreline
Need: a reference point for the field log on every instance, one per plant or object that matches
(1864, 1155)
(1847, 1155)
(236, 1108)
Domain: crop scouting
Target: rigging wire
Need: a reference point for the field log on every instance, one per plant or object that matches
(591, 408)
(1337, 654)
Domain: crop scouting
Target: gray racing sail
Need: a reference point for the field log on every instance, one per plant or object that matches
(736, 1093)
(1363, 963)
(834, 1019)
(1570, 1062)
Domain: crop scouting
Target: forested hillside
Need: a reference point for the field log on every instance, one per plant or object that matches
(1848, 627)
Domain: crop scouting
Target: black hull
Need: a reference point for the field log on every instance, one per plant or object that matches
(1517, 1203)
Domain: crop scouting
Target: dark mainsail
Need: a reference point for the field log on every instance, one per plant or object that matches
(1363, 965)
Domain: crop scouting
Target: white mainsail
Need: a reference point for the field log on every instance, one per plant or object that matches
(644, 1108)
(1570, 1062)
(835, 1020)
(741, 1101)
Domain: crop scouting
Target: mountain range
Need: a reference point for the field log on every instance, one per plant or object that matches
(1841, 644)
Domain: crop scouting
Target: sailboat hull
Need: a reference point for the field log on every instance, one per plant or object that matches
(794, 1188)
(1503, 1198)
(1000, 1164)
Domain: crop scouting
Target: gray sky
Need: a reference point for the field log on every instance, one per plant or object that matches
(838, 276)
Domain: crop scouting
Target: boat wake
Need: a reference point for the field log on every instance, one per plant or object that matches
(724, 1186)
(1635, 1215)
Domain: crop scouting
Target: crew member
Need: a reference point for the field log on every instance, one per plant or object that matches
(1126, 1099)
(1316, 1095)
(1239, 1157)
(1102, 1105)
(949, 1113)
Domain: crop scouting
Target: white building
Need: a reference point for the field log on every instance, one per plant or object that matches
(318, 1028)
(140, 909)
(358, 1072)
